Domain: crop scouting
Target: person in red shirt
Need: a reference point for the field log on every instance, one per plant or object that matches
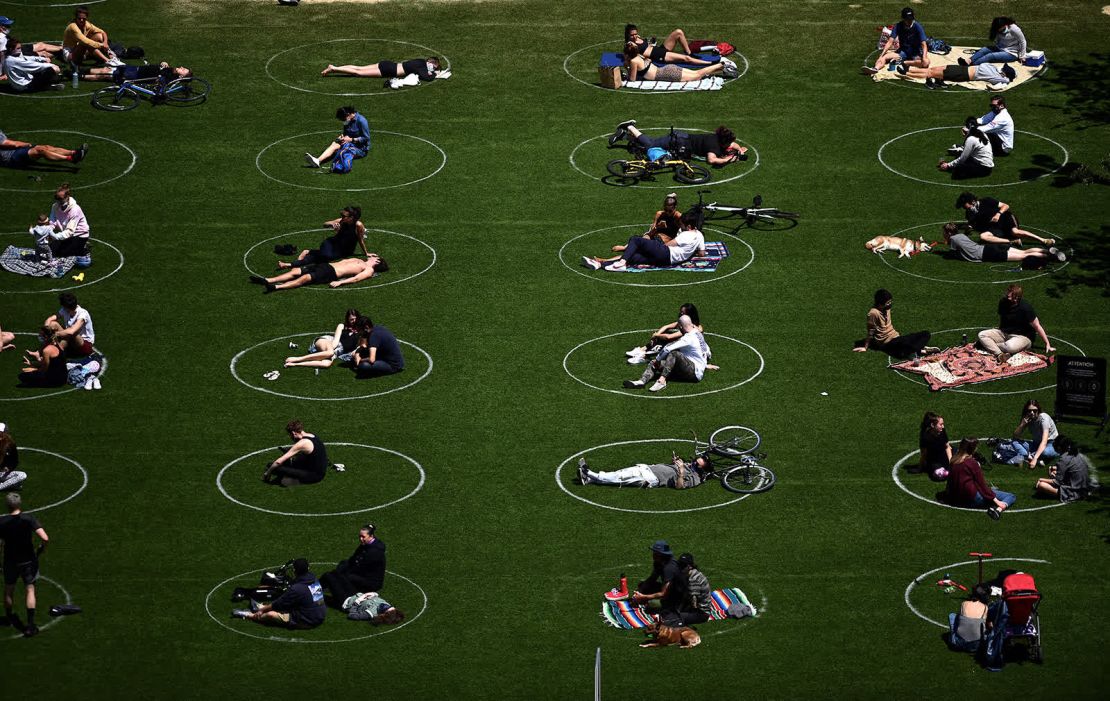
(967, 487)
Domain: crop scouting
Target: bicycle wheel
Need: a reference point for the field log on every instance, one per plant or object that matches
(115, 99)
(748, 479)
(187, 91)
(779, 214)
(734, 440)
(626, 169)
(691, 174)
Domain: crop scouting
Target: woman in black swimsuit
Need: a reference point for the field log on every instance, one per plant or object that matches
(349, 232)
(662, 53)
(425, 68)
(46, 367)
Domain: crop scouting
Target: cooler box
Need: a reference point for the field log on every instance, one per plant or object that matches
(1034, 59)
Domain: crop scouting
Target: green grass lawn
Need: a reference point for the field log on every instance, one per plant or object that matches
(483, 192)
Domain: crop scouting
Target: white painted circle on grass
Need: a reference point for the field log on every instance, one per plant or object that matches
(344, 288)
(444, 61)
(417, 488)
(71, 287)
(240, 354)
(54, 620)
(917, 580)
(125, 147)
(566, 69)
(674, 185)
(711, 277)
(976, 182)
(56, 392)
(282, 639)
(914, 379)
(658, 395)
(559, 481)
(442, 163)
(898, 481)
(961, 262)
(71, 461)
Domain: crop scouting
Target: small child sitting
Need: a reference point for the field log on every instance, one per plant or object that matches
(41, 232)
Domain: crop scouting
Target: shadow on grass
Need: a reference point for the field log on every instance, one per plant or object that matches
(1082, 91)
(1091, 263)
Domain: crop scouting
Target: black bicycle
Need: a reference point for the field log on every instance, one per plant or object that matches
(733, 460)
(128, 94)
(750, 215)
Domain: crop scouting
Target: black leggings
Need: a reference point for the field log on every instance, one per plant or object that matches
(904, 347)
(343, 586)
(302, 476)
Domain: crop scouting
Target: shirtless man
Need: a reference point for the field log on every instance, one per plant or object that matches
(335, 274)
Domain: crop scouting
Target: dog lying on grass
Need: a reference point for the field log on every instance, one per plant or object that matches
(905, 247)
(660, 635)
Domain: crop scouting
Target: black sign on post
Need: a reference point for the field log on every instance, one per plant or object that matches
(1081, 386)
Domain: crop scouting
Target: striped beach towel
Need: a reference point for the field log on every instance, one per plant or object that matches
(715, 252)
(628, 616)
(23, 261)
(713, 82)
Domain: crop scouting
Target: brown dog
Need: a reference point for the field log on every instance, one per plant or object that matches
(905, 247)
(661, 636)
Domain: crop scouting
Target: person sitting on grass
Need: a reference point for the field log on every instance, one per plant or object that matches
(641, 68)
(1043, 432)
(71, 227)
(684, 360)
(363, 571)
(1072, 478)
(118, 74)
(995, 221)
(940, 76)
(372, 607)
(1008, 44)
(1017, 325)
(305, 462)
(20, 154)
(967, 628)
(76, 326)
(975, 158)
(29, 73)
(966, 487)
(46, 367)
(667, 222)
(82, 39)
(7, 340)
(882, 336)
(718, 148)
(642, 249)
(11, 479)
(21, 560)
(936, 451)
(913, 47)
(39, 48)
(300, 607)
(666, 334)
(335, 274)
(662, 52)
(677, 474)
(964, 248)
(424, 68)
(998, 125)
(337, 348)
(349, 232)
(378, 353)
(352, 143)
(695, 605)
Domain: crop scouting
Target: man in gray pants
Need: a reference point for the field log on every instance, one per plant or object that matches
(683, 360)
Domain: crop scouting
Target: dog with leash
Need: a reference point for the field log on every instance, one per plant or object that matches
(661, 635)
(905, 247)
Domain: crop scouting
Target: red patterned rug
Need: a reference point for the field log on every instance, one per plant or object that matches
(967, 365)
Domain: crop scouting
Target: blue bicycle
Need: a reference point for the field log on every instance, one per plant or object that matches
(128, 94)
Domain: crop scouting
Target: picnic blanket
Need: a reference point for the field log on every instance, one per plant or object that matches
(715, 252)
(24, 261)
(713, 82)
(1024, 73)
(628, 616)
(967, 365)
(611, 59)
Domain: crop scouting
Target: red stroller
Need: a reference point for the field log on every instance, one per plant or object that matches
(1019, 591)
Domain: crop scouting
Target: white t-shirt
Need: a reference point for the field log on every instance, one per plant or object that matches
(1002, 125)
(686, 244)
(80, 312)
(693, 346)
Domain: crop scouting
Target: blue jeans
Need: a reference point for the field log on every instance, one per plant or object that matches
(1024, 449)
(1005, 497)
(906, 56)
(991, 54)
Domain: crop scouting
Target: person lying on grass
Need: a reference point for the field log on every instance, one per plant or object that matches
(305, 462)
(424, 68)
(677, 474)
(995, 221)
(936, 76)
(19, 154)
(337, 348)
(646, 249)
(684, 360)
(301, 606)
(349, 232)
(10, 477)
(662, 52)
(7, 340)
(372, 607)
(640, 68)
(119, 74)
(964, 248)
(718, 149)
(334, 274)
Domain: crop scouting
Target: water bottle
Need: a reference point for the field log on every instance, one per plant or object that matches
(74, 78)
(964, 342)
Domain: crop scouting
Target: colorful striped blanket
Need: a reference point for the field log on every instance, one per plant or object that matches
(628, 616)
(967, 365)
(715, 252)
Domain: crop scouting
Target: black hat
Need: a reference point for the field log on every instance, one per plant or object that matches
(300, 566)
(907, 13)
(661, 547)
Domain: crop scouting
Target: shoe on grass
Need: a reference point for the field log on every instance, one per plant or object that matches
(637, 360)
(638, 350)
(955, 149)
(81, 153)
(619, 265)
(868, 70)
(590, 263)
(30, 631)
(994, 513)
(1053, 251)
(312, 160)
(659, 384)
(583, 468)
(633, 384)
(241, 613)
(258, 279)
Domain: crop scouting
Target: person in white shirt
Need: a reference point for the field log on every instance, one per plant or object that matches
(39, 48)
(684, 360)
(976, 159)
(648, 249)
(29, 73)
(998, 125)
(71, 228)
(77, 325)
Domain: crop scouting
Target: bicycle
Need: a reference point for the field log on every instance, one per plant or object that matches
(733, 460)
(128, 94)
(755, 213)
(640, 167)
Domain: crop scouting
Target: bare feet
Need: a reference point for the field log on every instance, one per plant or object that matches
(282, 265)
(327, 70)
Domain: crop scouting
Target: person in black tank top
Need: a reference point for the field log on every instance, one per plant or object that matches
(349, 232)
(424, 68)
(306, 462)
(718, 149)
(49, 363)
(664, 52)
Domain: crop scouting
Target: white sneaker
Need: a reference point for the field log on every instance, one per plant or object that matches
(312, 160)
(659, 384)
(96, 383)
(637, 360)
(618, 265)
(638, 350)
(89, 383)
(590, 263)
(114, 62)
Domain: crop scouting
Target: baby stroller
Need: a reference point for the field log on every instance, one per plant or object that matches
(1022, 599)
